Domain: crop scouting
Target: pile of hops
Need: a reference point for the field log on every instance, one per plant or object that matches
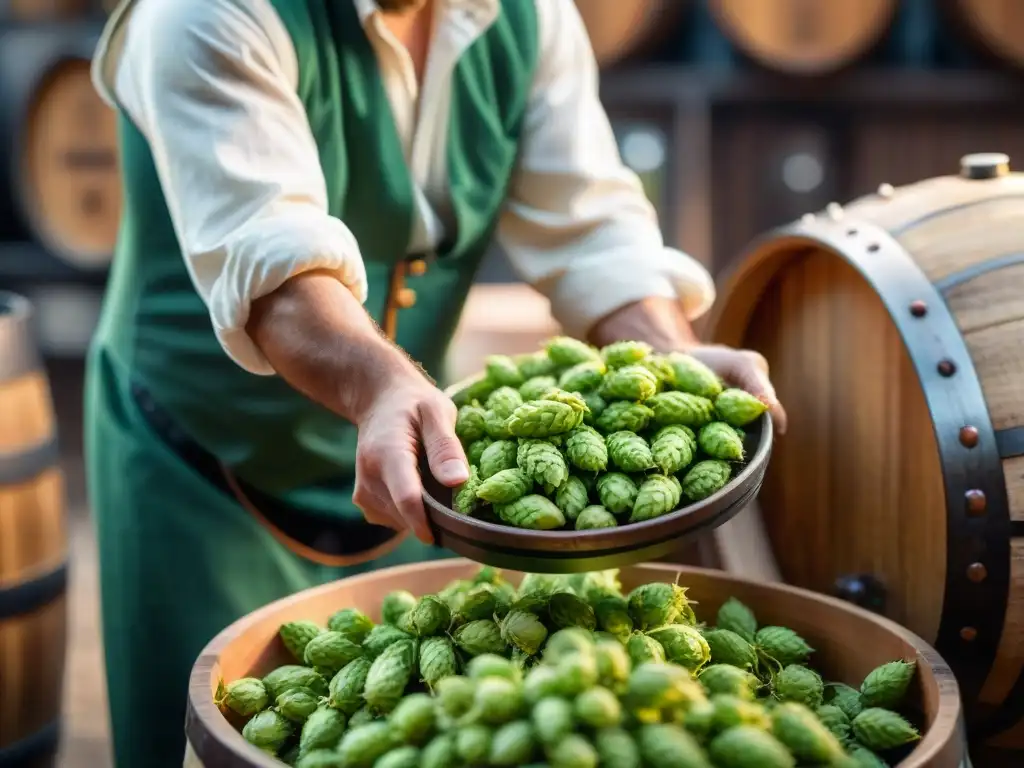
(566, 672)
(579, 437)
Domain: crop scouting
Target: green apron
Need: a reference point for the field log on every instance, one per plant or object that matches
(179, 558)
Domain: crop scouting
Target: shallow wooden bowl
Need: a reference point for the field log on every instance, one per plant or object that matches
(572, 551)
(850, 642)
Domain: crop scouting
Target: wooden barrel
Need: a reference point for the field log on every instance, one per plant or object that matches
(39, 10)
(251, 646)
(804, 37)
(894, 328)
(993, 27)
(623, 29)
(33, 550)
(62, 137)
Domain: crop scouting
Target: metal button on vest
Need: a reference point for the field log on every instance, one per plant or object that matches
(406, 298)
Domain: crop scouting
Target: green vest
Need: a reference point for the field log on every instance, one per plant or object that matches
(156, 327)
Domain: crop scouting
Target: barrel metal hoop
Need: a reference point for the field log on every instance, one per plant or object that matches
(27, 751)
(28, 596)
(949, 282)
(18, 467)
(18, 354)
(1010, 442)
(973, 611)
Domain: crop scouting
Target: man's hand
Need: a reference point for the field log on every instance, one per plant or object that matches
(661, 323)
(410, 414)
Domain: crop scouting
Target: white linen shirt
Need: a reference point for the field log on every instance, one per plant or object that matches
(212, 84)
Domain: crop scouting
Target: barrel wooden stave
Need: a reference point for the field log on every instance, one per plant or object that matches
(33, 547)
(44, 10)
(620, 30)
(801, 37)
(994, 27)
(856, 487)
(252, 647)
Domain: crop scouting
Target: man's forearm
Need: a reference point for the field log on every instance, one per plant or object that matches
(658, 321)
(321, 341)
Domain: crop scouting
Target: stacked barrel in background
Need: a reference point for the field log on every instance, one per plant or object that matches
(60, 198)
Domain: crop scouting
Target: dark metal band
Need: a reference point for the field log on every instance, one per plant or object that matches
(24, 465)
(34, 747)
(28, 596)
(949, 282)
(1010, 442)
(977, 508)
(18, 353)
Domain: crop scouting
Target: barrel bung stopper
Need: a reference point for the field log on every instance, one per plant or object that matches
(984, 165)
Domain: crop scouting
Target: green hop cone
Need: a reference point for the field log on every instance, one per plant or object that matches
(543, 418)
(537, 387)
(454, 698)
(482, 636)
(846, 698)
(503, 371)
(643, 648)
(496, 701)
(482, 601)
(583, 377)
(317, 758)
(513, 744)
(598, 707)
(572, 498)
(684, 645)
(662, 369)
(476, 390)
(595, 517)
(693, 377)
(729, 680)
(492, 665)
(595, 405)
(656, 686)
(633, 382)
(747, 746)
(886, 686)
(297, 704)
(362, 716)
(881, 729)
(656, 604)
(440, 752)
(629, 452)
(567, 609)
(469, 424)
(613, 664)
(735, 616)
(612, 613)
(673, 448)
(475, 450)
(395, 605)
(729, 648)
(245, 696)
(351, 623)
(413, 718)
(430, 616)
(496, 426)
(552, 719)
(699, 719)
(473, 743)
(345, 692)
(783, 644)
(533, 364)
(705, 478)
(499, 455)
(799, 684)
(862, 757)
(833, 718)
(268, 730)
(622, 353)
(566, 352)
(731, 711)
(573, 399)
(663, 745)
(806, 737)
(720, 441)
(657, 496)
(505, 486)
(574, 751)
(361, 747)
(534, 512)
(464, 499)
(436, 660)
(382, 636)
(524, 631)
(503, 401)
(543, 462)
(586, 449)
(293, 676)
(617, 492)
(402, 757)
(323, 729)
(296, 634)
(616, 748)
(738, 408)
(679, 408)
(623, 415)
(331, 651)
(389, 675)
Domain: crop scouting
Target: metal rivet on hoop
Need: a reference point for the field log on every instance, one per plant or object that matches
(969, 436)
(851, 233)
(968, 634)
(977, 504)
(886, 190)
(835, 211)
(873, 248)
(977, 572)
(946, 368)
(918, 308)
(808, 218)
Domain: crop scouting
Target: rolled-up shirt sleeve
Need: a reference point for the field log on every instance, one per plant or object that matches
(577, 224)
(212, 84)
